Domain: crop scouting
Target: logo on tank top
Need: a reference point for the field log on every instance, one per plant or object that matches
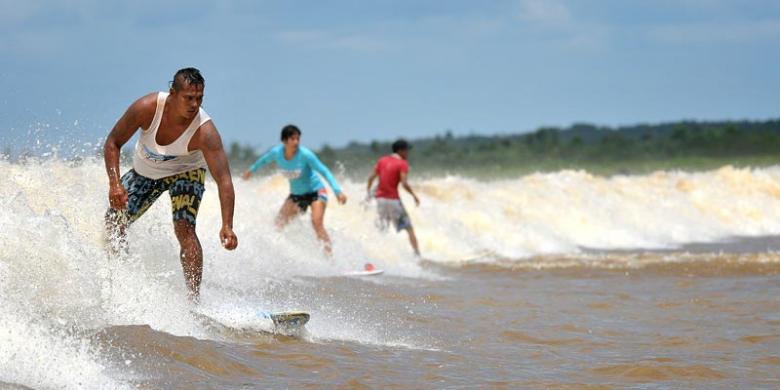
(156, 157)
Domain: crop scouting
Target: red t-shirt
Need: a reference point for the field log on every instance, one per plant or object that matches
(389, 169)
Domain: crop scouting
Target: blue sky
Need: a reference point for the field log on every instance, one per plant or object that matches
(363, 70)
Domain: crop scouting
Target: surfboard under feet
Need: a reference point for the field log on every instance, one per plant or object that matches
(286, 319)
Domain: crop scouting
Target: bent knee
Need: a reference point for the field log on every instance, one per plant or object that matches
(184, 230)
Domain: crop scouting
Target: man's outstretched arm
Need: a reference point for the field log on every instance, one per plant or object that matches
(211, 146)
(266, 158)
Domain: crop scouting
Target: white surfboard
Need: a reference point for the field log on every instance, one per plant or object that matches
(368, 270)
(284, 322)
(365, 273)
(288, 320)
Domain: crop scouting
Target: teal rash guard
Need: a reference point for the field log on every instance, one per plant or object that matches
(299, 170)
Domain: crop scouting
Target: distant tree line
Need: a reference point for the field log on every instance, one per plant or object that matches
(599, 149)
(571, 147)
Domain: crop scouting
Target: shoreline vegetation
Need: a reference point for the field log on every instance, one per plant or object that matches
(599, 150)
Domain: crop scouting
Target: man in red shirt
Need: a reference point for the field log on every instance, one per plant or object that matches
(391, 170)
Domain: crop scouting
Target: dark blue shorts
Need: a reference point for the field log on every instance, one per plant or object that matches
(305, 200)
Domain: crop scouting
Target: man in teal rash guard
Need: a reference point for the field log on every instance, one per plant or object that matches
(299, 164)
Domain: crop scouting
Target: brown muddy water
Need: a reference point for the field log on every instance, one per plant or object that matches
(711, 321)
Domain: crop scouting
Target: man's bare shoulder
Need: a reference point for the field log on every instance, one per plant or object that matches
(141, 112)
(145, 104)
(207, 137)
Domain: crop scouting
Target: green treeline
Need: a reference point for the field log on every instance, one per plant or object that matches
(600, 149)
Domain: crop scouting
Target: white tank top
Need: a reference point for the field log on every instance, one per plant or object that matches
(156, 161)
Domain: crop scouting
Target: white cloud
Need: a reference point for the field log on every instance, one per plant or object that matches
(547, 13)
(551, 22)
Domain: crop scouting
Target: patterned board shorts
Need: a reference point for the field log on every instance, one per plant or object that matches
(392, 211)
(185, 189)
(305, 200)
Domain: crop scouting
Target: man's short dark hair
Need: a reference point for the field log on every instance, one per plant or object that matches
(400, 145)
(187, 76)
(289, 130)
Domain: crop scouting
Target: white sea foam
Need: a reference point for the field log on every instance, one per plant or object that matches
(561, 213)
(38, 352)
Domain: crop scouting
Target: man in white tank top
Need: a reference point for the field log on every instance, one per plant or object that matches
(178, 141)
